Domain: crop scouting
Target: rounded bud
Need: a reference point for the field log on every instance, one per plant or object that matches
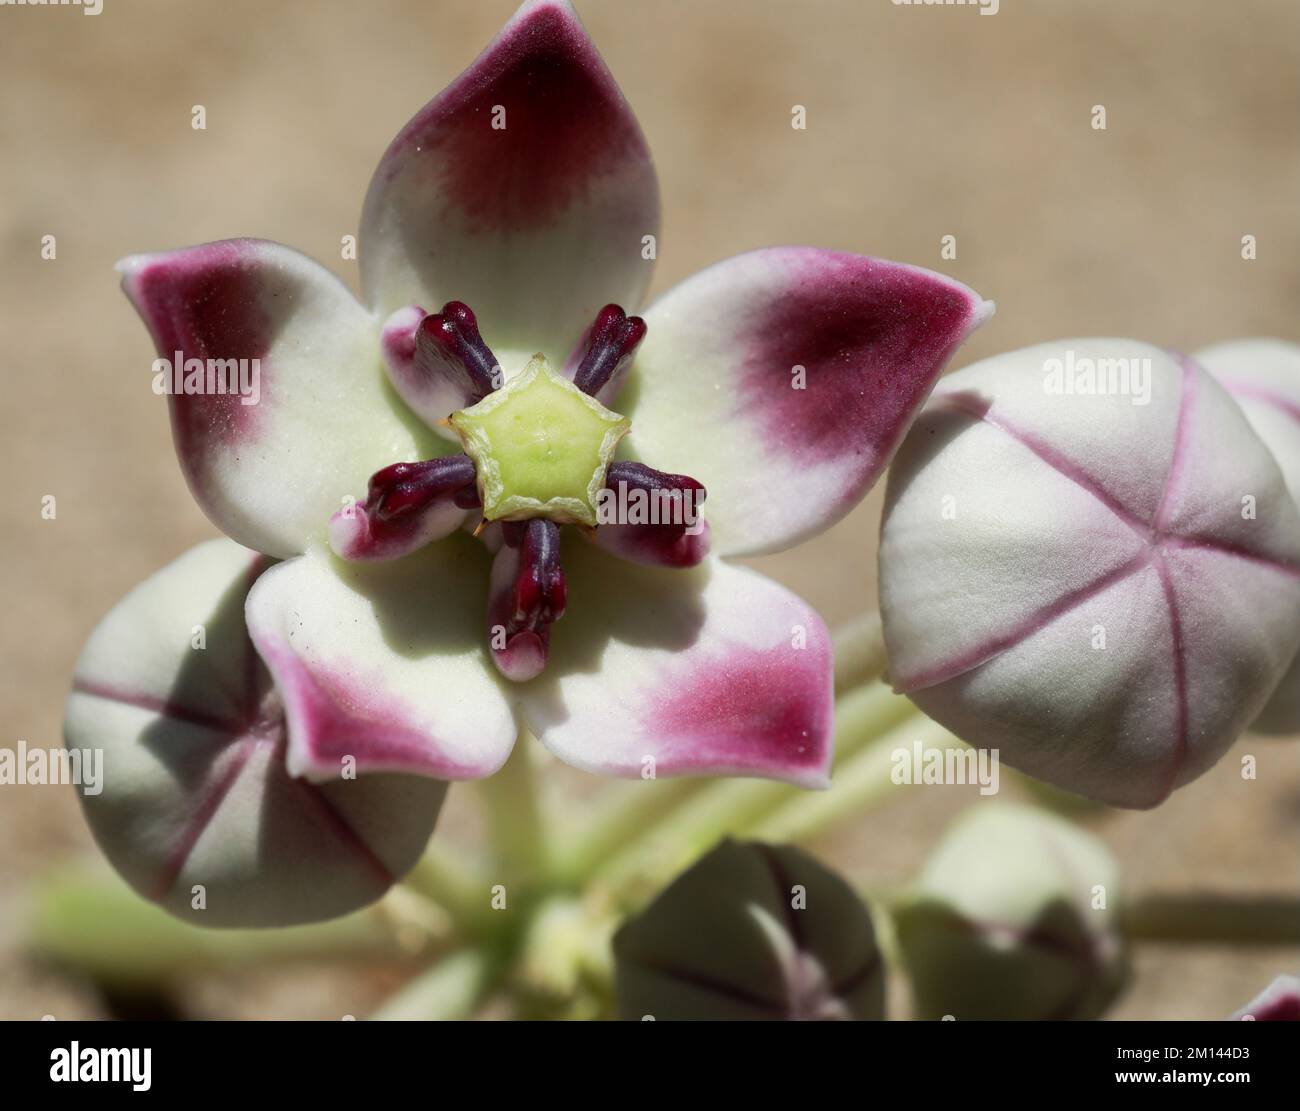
(1013, 917)
(751, 931)
(1263, 376)
(195, 807)
(1090, 562)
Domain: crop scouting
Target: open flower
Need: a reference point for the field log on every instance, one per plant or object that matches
(1090, 562)
(486, 384)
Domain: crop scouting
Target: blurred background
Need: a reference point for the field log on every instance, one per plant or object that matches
(922, 123)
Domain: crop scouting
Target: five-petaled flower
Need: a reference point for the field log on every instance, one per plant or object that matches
(492, 383)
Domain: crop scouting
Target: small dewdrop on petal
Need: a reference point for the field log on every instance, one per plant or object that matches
(1090, 562)
(541, 447)
(751, 931)
(1263, 376)
(1013, 917)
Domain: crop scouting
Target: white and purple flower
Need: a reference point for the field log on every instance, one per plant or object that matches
(508, 218)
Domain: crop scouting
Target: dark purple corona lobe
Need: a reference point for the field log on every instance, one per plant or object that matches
(609, 345)
(658, 517)
(643, 515)
(528, 596)
(404, 489)
(407, 505)
(448, 347)
(539, 588)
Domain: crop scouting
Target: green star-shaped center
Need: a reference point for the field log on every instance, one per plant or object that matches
(541, 447)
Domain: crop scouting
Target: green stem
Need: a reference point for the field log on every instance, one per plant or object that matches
(105, 931)
(452, 989)
(732, 806)
(452, 884)
(515, 827)
(1205, 918)
(859, 652)
(625, 811)
(860, 783)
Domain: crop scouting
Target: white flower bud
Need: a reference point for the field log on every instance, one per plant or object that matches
(1013, 917)
(751, 931)
(197, 811)
(1263, 375)
(1090, 562)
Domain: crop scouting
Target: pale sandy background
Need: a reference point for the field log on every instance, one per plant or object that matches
(921, 123)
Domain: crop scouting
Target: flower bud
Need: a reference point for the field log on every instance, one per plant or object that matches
(1263, 376)
(196, 809)
(1279, 1002)
(1090, 562)
(1013, 917)
(751, 931)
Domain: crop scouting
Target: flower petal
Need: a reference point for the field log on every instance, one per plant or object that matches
(269, 473)
(195, 797)
(1279, 1002)
(523, 189)
(710, 671)
(384, 663)
(784, 379)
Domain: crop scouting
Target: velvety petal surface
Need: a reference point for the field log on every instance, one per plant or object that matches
(1263, 377)
(1102, 584)
(714, 670)
(323, 419)
(384, 664)
(197, 810)
(784, 380)
(523, 189)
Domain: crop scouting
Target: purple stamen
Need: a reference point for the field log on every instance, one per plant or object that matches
(539, 589)
(448, 346)
(662, 527)
(611, 342)
(528, 595)
(637, 476)
(405, 488)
